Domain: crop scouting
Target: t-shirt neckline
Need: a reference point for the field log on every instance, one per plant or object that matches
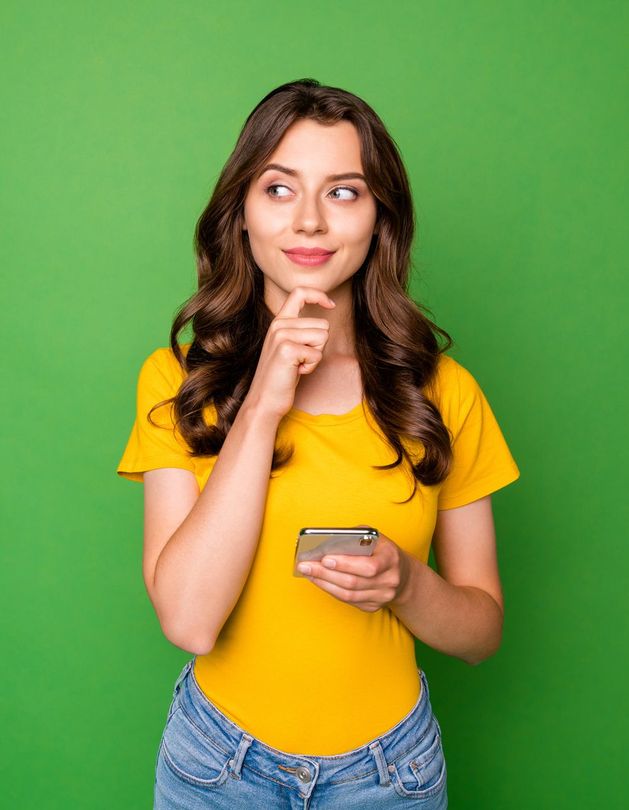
(328, 418)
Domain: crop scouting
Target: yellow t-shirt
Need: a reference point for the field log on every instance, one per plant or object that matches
(294, 666)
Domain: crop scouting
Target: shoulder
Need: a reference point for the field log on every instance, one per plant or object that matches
(454, 390)
(161, 362)
(162, 375)
(449, 377)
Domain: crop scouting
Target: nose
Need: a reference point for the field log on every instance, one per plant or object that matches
(309, 216)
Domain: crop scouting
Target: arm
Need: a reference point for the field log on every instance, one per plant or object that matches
(195, 569)
(458, 611)
(197, 559)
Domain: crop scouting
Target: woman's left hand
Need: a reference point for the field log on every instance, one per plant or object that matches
(368, 583)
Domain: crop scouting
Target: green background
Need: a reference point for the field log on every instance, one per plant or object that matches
(512, 121)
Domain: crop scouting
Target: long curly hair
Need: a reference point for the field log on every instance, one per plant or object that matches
(396, 343)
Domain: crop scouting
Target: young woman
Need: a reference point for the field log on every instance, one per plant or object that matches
(313, 393)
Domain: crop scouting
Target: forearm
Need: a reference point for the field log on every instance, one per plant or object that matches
(458, 620)
(201, 571)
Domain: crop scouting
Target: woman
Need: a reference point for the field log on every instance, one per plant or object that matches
(313, 393)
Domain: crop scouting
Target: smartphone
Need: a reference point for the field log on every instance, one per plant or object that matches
(315, 543)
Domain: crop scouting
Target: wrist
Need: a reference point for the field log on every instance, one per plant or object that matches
(410, 573)
(252, 412)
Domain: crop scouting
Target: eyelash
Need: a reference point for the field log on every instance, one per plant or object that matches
(345, 188)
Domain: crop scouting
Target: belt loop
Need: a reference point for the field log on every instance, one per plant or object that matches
(424, 681)
(182, 675)
(243, 747)
(381, 763)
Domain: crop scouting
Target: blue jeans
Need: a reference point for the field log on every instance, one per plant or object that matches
(206, 760)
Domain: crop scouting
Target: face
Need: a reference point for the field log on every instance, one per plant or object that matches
(300, 205)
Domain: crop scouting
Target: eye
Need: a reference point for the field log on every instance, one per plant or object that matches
(275, 185)
(346, 188)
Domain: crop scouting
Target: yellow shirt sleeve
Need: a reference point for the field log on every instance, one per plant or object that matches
(150, 447)
(482, 461)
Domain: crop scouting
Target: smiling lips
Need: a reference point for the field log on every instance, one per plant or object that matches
(309, 257)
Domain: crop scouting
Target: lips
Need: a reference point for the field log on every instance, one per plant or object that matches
(309, 257)
(304, 251)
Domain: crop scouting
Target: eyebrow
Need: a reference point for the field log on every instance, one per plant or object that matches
(295, 173)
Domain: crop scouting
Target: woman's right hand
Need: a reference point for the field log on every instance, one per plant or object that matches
(293, 346)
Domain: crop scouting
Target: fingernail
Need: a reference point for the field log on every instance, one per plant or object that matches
(303, 568)
(329, 563)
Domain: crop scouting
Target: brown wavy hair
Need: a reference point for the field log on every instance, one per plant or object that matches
(396, 343)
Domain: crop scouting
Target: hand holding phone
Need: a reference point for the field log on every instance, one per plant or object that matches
(314, 543)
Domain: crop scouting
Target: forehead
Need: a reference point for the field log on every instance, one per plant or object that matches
(309, 145)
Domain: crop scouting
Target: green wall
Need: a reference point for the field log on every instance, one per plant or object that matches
(511, 118)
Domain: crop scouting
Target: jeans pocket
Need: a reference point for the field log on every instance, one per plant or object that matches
(190, 754)
(421, 771)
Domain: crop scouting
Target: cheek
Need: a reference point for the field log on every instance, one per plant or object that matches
(358, 226)
(264, 224)
(359, 232)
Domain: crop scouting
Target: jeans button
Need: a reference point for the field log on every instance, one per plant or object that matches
(303, 774)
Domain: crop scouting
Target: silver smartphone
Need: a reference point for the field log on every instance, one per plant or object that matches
(315, 543)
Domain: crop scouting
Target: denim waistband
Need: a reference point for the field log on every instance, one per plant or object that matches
(289, 768)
